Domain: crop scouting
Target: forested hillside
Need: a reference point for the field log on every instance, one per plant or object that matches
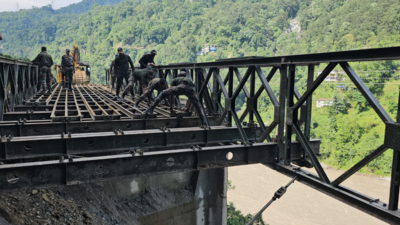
(177, 29)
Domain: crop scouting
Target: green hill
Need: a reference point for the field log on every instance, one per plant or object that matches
(178, 29)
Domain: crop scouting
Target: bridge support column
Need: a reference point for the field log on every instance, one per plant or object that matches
(210, 194)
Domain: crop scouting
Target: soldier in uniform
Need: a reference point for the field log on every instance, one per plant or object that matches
(158, 84)
(45, 61)
(67, 67)
(121, 69)
(180, 86)
(148, 59)
(141, 75)
(112, 74)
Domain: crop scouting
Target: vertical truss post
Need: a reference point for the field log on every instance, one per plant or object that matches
(13, 80)
(252, 90)
(161, 73)
(215, 89)
(230, 93)
(395, 177)
(307, 125)
(107, 75)
(291, 115)
(4, 83)
(35, 79)
(282, 101)
(197, 81)
(21, 84)
(29, 92)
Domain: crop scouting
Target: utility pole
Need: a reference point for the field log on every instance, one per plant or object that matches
(17, 6)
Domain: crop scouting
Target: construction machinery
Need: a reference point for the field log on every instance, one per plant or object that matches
(82, 69)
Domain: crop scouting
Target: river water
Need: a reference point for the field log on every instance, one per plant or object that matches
(256, 184)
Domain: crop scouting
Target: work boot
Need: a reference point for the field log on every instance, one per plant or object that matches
(122, 97)
(150, 110)
(136, 104)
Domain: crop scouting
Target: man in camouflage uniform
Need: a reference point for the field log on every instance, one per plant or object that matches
(45, 61)
(141, 75)
(121, 69)
(158, 84)
(112, 74)
(67, 67)
(180, 86)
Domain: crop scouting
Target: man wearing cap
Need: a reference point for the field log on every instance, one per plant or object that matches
(158, 84)
(141, 75)
(45, 61)
(181, 85)
(121, 68)
(67, 67)
(148, 59)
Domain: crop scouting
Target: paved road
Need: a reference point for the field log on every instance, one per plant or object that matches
(256, 184)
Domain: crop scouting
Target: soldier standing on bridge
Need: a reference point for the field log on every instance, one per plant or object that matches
(141, 75)
(181, 85)
(158, 84)
(148, 60)
(112, 74)
(67, 66)
(45, 61)
(121, 69)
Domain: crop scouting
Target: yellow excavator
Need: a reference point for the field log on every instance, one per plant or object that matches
(82, 69)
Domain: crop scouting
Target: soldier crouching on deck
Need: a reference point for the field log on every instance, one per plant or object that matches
(45, 61)
(158, 84)
(180, 86)
(141, 75)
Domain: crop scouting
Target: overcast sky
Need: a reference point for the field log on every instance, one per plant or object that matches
(11, 5)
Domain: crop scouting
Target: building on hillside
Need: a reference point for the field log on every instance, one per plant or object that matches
(334, 75)
(207, 48)
(323, 102)
(342, 87)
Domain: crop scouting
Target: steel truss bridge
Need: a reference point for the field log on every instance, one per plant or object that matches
(85, 135)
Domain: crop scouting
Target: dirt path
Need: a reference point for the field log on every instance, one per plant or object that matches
(256, 184)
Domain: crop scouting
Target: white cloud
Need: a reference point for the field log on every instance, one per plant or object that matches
(11, 5)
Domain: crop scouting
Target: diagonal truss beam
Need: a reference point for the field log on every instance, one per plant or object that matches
(371, 156)
(366, 93)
